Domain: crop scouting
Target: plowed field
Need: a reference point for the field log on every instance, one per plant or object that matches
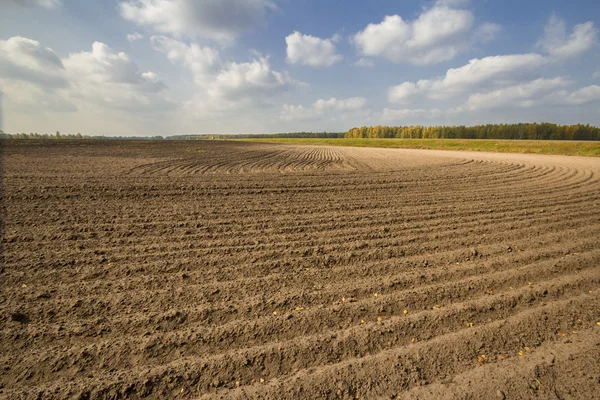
(239, 270)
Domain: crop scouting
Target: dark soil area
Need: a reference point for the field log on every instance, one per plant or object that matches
(239, 270)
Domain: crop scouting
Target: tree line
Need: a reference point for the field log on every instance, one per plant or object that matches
(62, 136)
(76, 136)
(325, 135)
(523, 131)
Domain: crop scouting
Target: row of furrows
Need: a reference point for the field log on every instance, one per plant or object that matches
(222, 309)
(317, 306)
(451, 164)
(169, 221)
(441, 196)
(333, 235)
(501, 201)
(247, 161)
(341, 345)
(158, 273)
(193, 285)
(234, 181)
(398, 369)
(564, 368)
(276, 291)
(253, 164)
(421, 290)
(227, 310)
(218, 270)
(276, 159)
(379, 188)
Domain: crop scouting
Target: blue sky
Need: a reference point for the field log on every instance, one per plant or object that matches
(147, 67)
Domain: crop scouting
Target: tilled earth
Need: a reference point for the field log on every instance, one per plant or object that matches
(208, 269)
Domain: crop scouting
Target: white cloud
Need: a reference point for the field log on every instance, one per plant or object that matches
(204, 62)
(27, 60)
(586, 95)
(352, 103)
(402, 93)
(225, 86)
(290, 112)
(109, 79)
(41, 3)
(310, 50)
(558, 44)
(221, 20)
(364, 62)
(29, 98)
(495, 70)
(540, 93)
(320, 109)
(438, 34)
(135, 36)
(254, 78)
(485, 72)
(525, 95)
(105, 66)
(34, 78)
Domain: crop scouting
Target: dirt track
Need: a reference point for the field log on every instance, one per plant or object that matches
(238, 270)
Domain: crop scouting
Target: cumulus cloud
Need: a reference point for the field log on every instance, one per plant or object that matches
(27, 60)
(134, 37)
(226, 86)
(221, 20)
(36, 79)
(33, 77)
(203, 62)
(323, 108)
(290, 112)
(109, 79)
(405, 92)
(105, 66)
(364, 62)
(586, 95)
(508, 81)
(312, 51)
(525, 95)
(352, 103)
(561, 45)
(29, 98)
(254, 78)
(478, 73)
(41, 3)
(537, 93)
(438, 34)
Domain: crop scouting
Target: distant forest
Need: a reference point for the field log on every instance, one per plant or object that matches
(533, 131)
(62, 136)
(527, 131)
(292, 135)
(58, 135)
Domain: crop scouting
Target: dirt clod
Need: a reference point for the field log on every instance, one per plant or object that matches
(18, 316)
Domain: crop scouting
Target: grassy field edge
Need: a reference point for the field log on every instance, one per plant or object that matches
(587, 149)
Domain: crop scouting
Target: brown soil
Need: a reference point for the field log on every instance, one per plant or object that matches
(240, 270)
